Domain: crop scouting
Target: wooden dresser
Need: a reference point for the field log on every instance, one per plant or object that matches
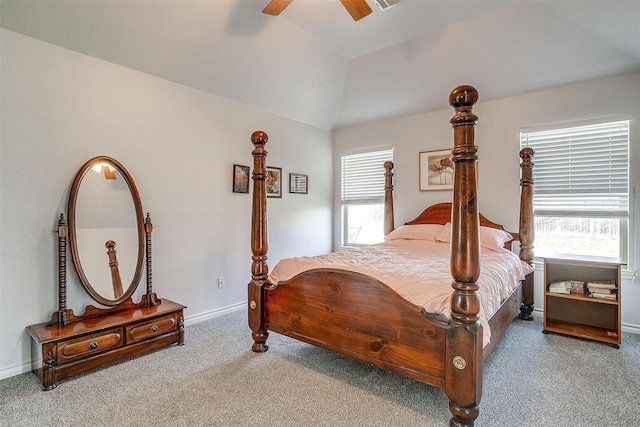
(93, 341)
(105, 212)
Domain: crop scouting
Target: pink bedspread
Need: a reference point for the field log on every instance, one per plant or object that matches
(419, 271)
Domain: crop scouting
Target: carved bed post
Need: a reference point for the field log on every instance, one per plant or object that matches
(259, 244)
(527, 230)
(388, 198)
(464, 337)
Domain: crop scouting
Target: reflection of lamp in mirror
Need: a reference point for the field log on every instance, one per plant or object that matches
(108, 170)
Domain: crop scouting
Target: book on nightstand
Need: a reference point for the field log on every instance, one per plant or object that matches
(563, 287)
(577, 287)
(603, 290)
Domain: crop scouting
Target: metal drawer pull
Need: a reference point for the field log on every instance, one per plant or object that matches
(93, 345)
(154, 328)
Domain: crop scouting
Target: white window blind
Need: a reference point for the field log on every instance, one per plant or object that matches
(581, 171)
(363, 175)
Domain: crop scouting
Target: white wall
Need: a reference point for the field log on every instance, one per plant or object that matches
(60, 108)
(497, 137)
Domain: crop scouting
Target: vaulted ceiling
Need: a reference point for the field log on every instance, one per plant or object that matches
(315, 64)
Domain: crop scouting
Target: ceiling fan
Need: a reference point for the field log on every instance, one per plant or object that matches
(358, 9)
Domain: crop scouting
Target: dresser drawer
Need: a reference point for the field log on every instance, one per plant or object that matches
(89, 345)
(146, 330)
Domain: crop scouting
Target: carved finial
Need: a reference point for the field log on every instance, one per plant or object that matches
(388, 165)
(259, 138)
(526, 153)
(463, 96)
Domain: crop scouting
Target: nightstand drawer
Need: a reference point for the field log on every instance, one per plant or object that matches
(159, 326)
(89, 345)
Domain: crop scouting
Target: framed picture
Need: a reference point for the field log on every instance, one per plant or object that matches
(240, 179)
(274, 182)
(436, 170)
(298, 183)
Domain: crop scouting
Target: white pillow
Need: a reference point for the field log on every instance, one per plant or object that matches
(415, 232)
(490, 238)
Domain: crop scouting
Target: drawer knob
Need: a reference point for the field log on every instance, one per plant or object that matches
(154, 328)
(93, 345)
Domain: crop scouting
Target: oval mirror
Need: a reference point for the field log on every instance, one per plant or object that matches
(106, 230)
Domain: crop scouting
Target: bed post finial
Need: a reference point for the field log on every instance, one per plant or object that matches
(464, 337)
(388, 197)
(527, 229)
(464, 96)
(259, 244)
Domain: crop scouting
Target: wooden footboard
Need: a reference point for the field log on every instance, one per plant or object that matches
(359, 317)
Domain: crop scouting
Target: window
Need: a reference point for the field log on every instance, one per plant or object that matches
(363, 197)
(581, 189)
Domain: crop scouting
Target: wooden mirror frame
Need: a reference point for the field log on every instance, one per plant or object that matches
(71, 214)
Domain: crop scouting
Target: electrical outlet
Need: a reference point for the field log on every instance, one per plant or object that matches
(220, 282)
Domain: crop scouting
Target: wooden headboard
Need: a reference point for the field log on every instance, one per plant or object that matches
(441, 214)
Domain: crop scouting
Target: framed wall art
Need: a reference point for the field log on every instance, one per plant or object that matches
(436, 170)
(240, 179)
(274, 182)
(298, 183)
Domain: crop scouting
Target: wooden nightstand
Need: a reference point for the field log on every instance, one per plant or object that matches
(583, 315)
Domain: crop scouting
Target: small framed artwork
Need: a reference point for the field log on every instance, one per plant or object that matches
(240, 179)
(298, 183)
(274, 182)
(436, 170)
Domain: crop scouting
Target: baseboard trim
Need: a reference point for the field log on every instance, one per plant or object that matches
(632, 329)
(201, 317)
(12, 371)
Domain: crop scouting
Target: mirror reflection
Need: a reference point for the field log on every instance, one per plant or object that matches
(106, 235)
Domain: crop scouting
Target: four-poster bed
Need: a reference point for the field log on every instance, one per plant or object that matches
(360, 315)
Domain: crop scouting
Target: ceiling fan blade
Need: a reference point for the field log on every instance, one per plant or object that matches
(358, 9)
(275, 7)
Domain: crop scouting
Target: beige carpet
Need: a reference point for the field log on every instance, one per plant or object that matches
(531, 379)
